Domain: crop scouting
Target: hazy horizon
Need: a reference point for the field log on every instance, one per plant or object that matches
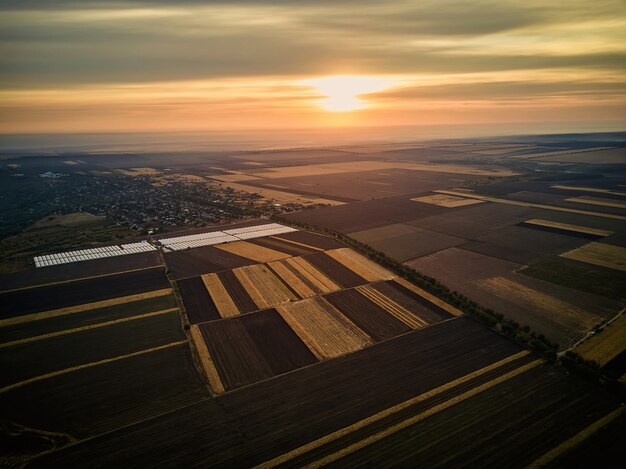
(137, 66)
(255, 139)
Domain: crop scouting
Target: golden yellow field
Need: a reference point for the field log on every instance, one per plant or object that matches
(361, 265)
(432, 298)
(589, 189)
(139, 171)
(223, 302)
(275, 195)
(313, 275)
(530, 204)
(605, 255)
(356, 166)
(326, 331)
(607, 344)
(567, 226)
(560, 311)
(392, 307)
(596, 201)
(252, 251)
(215, 383)
(448, 201)
(304, 290)
(263, 286)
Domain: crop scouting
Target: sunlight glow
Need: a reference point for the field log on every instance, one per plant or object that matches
(342, 92)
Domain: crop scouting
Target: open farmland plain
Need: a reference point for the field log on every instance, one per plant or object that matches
(294, 349)
(487, 240)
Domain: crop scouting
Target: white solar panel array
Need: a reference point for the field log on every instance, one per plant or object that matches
(91, 254)
(218, 237)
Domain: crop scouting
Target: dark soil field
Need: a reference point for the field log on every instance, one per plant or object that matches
(281, 348)
(45, 298)
(24, 361)
(237, 292)
(473, 221)
(532, 413)
(203, 260)
(198, 303)
(78, 270)
(367, 315)
(367, 185)
(311, 239)
(236, 356)
(85, 318)
(335, 270)
(360, 216)
(579, 276)
(263, 421)
(411, 243)
(283, 246)
(523, 245)
(106, 397)
(605, 448)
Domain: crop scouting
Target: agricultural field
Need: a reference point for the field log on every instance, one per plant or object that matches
(608, 348)
(294, 349)
(561, 314)
(426, 383)
(605, 255)
(324, 303)
(539, 229)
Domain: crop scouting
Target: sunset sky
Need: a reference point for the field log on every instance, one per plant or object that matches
(237, 64)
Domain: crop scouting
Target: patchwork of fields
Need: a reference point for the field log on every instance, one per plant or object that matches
(294, 350)
(306, 300)
(485, 243)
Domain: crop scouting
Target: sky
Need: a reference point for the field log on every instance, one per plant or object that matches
(95, 66)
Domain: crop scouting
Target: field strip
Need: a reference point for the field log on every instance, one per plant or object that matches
(291, 279)
(589, 189)
(448, 201)
(360, 264)
(392, 307)
(282, 459)
(207, 362)
(280, 196)
(313, 275)
(84, 307)
(576, 439)
(589, 201)
(220, 296)
(252, 251)
(568, 227)
(530, 204)
(85, 328)
(428, 296)
(605, 255)
(88, 365)
(296, 243)
(78, 279)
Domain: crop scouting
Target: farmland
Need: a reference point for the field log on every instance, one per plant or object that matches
(431, 378)
(540, 228)
(294, 349)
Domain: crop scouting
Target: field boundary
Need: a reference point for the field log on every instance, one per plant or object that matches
(53, 313)
(88, 365)
(85, 328)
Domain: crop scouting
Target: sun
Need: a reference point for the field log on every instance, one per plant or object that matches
(342, 91)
